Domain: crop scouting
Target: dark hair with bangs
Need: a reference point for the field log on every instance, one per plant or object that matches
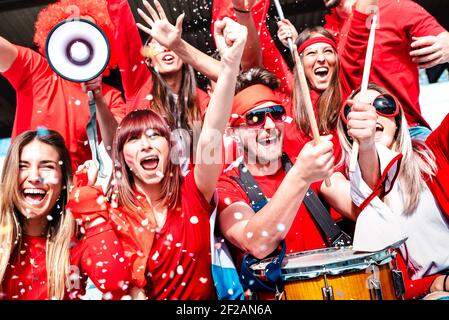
(134, 124)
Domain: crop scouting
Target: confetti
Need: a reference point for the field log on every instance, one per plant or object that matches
(194, 220)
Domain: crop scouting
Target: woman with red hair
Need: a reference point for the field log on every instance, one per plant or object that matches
(44, 99)
(161, 216)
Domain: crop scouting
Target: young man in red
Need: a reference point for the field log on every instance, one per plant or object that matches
(257, 124)
(44, 99)
(408, 37)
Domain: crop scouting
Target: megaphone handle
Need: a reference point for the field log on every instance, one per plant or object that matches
(92, 137)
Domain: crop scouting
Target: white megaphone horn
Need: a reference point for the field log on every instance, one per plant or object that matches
(77, 50)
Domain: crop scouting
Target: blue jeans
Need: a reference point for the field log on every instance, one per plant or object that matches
(419, 132)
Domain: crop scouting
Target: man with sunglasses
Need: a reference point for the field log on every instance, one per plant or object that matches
(257, 124)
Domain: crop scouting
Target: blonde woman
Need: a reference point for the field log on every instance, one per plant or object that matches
(40, 256)
(412, 201)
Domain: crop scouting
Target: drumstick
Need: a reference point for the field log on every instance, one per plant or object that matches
(364, 88)
(304, 86)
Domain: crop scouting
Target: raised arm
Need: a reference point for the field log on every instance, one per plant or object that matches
(261, 233)
(169, 36)
(429, 51)
(8, 54)
(230, 38)
(252, 55)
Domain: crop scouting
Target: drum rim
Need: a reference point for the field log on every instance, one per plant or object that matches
(354, 264)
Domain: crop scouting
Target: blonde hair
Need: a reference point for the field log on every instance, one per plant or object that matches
(61, 227)
(418, 161)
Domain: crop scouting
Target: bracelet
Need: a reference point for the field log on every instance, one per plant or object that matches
(242, 11)
(444, 282)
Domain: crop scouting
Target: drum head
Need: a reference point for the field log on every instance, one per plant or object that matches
(332, 261)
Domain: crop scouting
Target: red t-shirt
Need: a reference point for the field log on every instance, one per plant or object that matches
(45, 99)
(303, 235)
(392, 66)
(98, 256)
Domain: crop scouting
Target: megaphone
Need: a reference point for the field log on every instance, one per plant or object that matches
(77, 50)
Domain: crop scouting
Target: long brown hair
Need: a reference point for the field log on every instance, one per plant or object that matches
(134, 124)
(183, 112)
(329, 102)
(61, 227)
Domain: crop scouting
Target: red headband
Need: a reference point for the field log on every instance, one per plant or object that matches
(320, 39)
(249, 98)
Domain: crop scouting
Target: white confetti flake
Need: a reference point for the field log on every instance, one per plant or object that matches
(264, 234)
(230, 291)
(281, 227)
(238, 216)
(145, 222)
(155, 256)
(49, 218)
(179, 270)
(203, 280)
(194, 220)
(249, 235)
(77, 102)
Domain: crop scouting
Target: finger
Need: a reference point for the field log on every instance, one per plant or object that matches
(429, 64)
(144, 29)
(145, 17)
(160, 10)
(428, 58)
(361, 124)
(327, 137)
(422, 41)
(150, 9)
(179, 21)
(424, 51)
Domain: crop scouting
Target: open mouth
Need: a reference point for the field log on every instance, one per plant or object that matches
(149, 163)
(321, 72)
(379, 127)
(168, 58)
(268, 140)
(33, 195)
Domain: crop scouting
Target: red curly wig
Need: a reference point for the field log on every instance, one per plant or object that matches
(54, 13)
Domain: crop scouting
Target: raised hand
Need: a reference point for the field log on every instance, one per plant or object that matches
(230, 38)
(362, 121)
(159, 28)
(95, 86)
(286, 30)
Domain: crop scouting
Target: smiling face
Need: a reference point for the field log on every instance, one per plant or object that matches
(319, 60)
(146, 155)
(163, 60)
(385, 127)
(40, 180)
(263, 143)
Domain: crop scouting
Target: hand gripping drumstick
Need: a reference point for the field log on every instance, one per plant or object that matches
(304, 86)
(364, 88)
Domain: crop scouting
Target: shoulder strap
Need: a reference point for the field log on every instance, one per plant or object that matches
(334, 235)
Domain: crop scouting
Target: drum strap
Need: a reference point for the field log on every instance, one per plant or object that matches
(334, 235)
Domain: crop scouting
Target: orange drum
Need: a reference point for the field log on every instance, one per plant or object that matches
(336, 274)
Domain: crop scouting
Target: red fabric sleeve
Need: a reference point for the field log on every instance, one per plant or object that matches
(353, 55)
(418, 21)
(414, 289)
(272, 58)
(229, 192)
(132, 66)
(100, 256)
(115, 102)
(28, 68)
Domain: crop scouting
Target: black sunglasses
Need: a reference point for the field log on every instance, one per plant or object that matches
(257, 117)
(385, 105)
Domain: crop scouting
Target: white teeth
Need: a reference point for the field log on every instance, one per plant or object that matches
(34, 191)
